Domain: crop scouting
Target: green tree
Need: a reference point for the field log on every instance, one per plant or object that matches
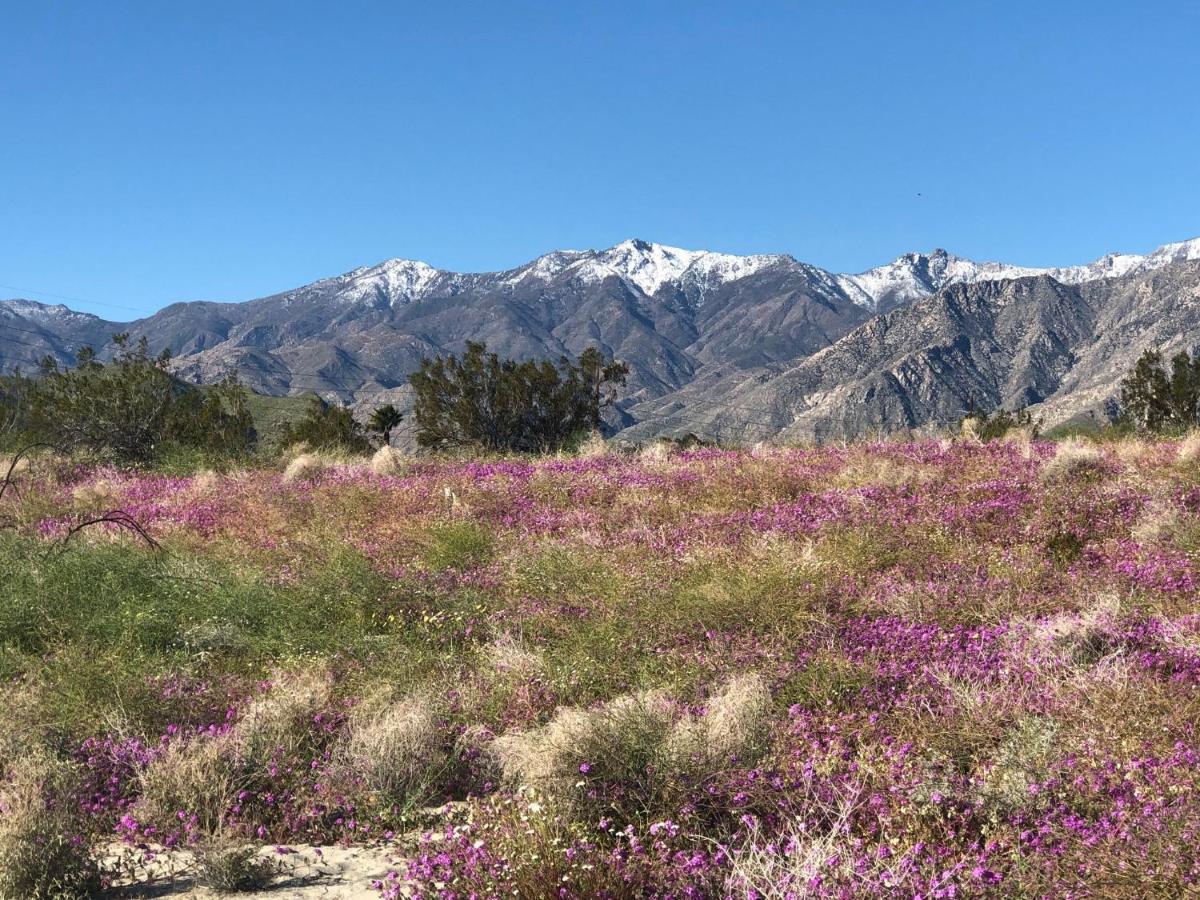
(326, 426)
(383, 420)
(1156, 400)
(482, 401)
(133, 408)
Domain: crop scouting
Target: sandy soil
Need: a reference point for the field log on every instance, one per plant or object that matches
(306, 873)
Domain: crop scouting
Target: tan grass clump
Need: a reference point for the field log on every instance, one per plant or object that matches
(1073, 458)
(206, 481)
(643, 746)
(281, 718)
(787, 865)
(732, 724)
(304, 467)
(396, 746)
(43, 854)
(197, 776)
(1158, 522)
(1070, 639)
(387, 461)
(969, 429)
(6, 463)
(510, 657)
(204, 775)
(1189, 448)
(656, 452)
(1021, 760)
(594, 445)
(883, 471)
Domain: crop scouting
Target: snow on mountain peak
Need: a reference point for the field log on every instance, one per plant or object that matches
(650, 266)
(398, 280)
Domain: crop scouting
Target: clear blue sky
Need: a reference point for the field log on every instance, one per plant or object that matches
(152, 152)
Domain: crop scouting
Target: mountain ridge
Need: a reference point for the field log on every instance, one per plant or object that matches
(693, 324)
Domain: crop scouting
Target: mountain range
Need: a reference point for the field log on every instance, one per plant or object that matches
(737, 348)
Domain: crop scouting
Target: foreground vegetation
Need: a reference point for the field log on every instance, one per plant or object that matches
(929, 668)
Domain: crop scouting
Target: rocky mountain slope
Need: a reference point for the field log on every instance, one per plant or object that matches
(740, 347)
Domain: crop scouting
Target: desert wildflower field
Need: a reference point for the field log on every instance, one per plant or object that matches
(926, 669)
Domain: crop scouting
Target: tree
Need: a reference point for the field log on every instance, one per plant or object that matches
(133, 408)
(383, 420)
(326, 426)
(1155, 400)
(482, 401)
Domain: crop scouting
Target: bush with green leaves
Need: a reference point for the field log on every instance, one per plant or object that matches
(1159, 399)
(327, 426)
(132, 409)
(485, 402)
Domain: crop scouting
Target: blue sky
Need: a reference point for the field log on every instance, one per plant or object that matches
(153, 152)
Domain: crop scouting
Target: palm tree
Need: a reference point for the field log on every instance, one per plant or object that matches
(383, 420)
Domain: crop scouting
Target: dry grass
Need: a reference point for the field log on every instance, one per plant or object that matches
(594, 445)
(1073, 458)
(793, 863)
(204, 775)
(43, 855)
(387, 461)
(656, 452)
(1189, 448)
(637, 750)
(304, 467)
(396, 747)
(197, 776)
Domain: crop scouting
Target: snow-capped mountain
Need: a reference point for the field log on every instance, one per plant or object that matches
(649, 268)
(916, 275)
(690, 323)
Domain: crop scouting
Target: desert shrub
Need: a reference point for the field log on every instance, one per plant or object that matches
(1159, 399)
(458, 545)
(999, 424)
(229, 867)
(485, 402)
(326, 426)
(45, 853)
(134, 409)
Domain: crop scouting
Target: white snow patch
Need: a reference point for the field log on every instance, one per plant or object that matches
(649, 266)
(399, 280)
